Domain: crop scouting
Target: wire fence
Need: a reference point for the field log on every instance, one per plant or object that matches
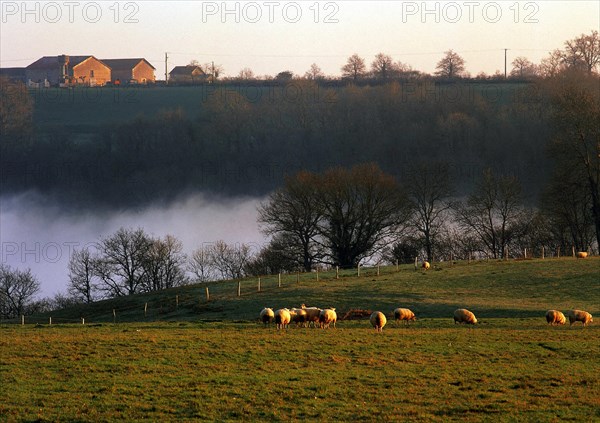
(199, 298)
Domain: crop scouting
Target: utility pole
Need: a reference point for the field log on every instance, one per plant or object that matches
(166, 67)
(505, 62)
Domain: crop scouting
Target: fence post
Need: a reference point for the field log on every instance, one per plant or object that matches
(298, 276)
(358, 270)
(543, 253)
(145, 310)
(317, 273)
(525, 253)
(337, 272)
(558, 252)
(207, 294)
(259, 284)
(397, 265)
(416, 263)
(114, 316)
(239, 288)
(176, 301)
(378, 270)
(573, 247)
(279, 281)
(50, 321)
(83, 320)
(22, 320)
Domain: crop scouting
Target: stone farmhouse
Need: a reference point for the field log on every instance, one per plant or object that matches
(87, 70)
(187, 74)
(134, 71)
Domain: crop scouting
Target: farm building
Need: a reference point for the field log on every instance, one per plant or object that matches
(187, 74)
(135, 71)
(63, 69)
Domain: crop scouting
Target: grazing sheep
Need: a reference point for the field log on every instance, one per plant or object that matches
(426, 265)
(555, 317)
(298, 316)
(282, 318)
(378, 320)
(579, 316)
(404, 314)
(462, 315)
(267, 315)
(582, 254)
(312, 314)
(327, 317)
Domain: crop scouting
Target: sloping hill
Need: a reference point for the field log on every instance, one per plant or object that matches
(492, 289)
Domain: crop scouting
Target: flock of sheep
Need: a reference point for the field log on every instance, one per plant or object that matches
(324, 318)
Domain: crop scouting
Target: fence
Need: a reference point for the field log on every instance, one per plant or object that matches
(170, 303)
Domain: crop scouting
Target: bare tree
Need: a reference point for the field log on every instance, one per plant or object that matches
(492, 210)
(163, 264)
(120, 264)
(17, 290)
(200, 265)
(553, 64)
(429, 189)
(229, 260)
(523, 68)
(383, 66)
(246, 73)
(577, 144)
(82, 284)
(295, 211)
(314, 73)
(363, 210)
(450, 66)
(584, 52)
(354, 68)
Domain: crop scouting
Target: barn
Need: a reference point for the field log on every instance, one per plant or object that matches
(131, 71)
(63, 69)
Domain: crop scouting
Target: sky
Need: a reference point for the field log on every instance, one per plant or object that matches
(272, 36)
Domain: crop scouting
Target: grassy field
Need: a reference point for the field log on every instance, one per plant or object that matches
(215, 362)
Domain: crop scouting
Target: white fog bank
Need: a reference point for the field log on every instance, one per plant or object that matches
(41, 236)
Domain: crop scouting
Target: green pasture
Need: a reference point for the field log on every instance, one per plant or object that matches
(213, 361)
(507, 370)
(491, 289)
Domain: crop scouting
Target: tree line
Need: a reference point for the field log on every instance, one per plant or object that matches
(581, 53)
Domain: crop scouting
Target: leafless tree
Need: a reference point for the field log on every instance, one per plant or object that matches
(314, 73)
(553, 64)
(492, 211)
(354, 68)
(584, 52)
(452, 65)
(523, 68)
(577, 144)
(429, 189)
(120, 262)
(295, 211)
(230, 260)
(200, 265)
(246, 73)
(364, 209)
(383, 66)
(163, 264)
(82, 284)
(17, 290)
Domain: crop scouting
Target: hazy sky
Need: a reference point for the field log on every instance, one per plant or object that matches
(271, 36)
